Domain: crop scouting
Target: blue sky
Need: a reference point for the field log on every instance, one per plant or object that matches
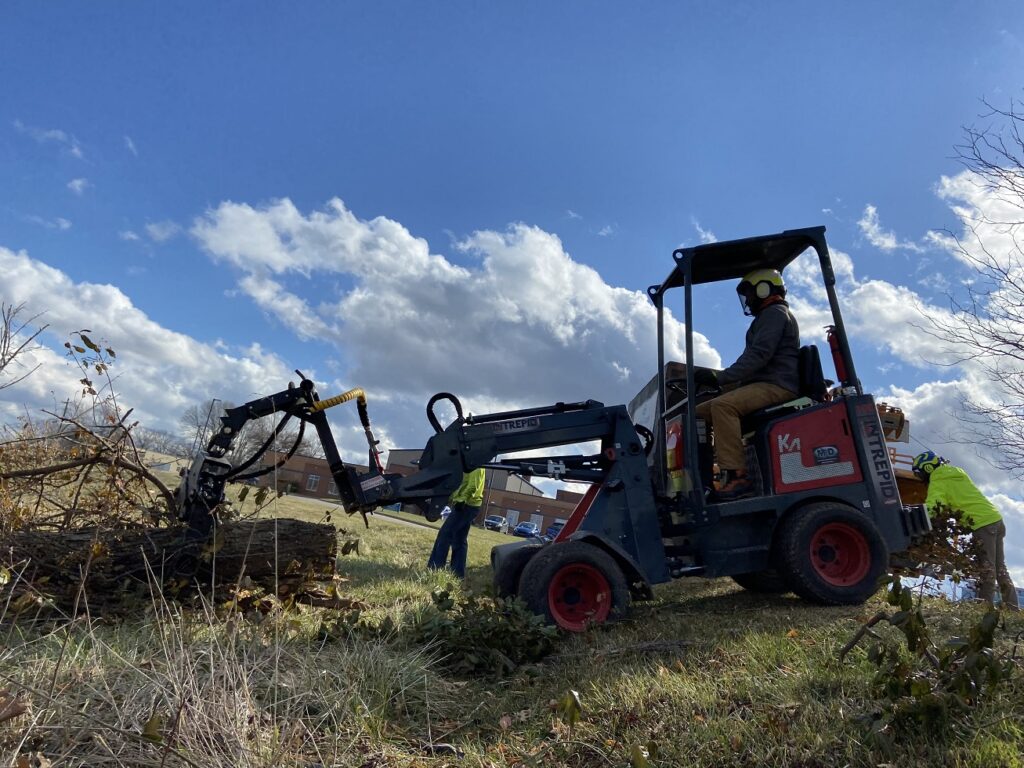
(508, 175)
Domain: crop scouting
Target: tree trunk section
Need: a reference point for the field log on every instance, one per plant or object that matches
(278, 555)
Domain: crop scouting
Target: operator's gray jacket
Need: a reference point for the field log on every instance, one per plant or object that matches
(772, 351)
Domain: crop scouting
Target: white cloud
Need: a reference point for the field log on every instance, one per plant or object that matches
(523, 323)
(128, 234)
(130, 146)
(161, 231)
(160, 372)
(880, 238)
(78, 186)
(56, 223)
(706, 235)
(606, 230)
(51, 136)
(572, 214)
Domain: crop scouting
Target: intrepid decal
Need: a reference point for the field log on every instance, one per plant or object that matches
(517, 425)
(878, 457)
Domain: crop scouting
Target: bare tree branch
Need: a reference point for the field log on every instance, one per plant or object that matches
(985, 324)
(17, 338)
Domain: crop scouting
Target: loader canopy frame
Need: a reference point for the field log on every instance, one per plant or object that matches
(731, 260)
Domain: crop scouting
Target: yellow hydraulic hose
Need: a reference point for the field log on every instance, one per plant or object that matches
(353, 394)
(359, 396)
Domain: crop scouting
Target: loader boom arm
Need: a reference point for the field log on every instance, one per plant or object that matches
(465, 444)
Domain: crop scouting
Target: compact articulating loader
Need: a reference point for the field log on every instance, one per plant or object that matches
(825, 519)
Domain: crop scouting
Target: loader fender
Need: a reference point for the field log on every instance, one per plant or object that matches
(639, 586)
(507, 563)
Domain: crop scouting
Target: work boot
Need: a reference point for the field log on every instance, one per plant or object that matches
(738, 486)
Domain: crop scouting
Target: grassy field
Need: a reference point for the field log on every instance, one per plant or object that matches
(704, 675)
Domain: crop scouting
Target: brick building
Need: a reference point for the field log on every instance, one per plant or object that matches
(301, 475)
(505, 494)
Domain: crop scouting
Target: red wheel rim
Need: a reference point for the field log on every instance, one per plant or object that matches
(840, 554)
(578, 595)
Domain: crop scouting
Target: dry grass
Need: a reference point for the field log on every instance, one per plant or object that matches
(707, 675)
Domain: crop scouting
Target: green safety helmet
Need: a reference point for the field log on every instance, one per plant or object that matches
(757, 286)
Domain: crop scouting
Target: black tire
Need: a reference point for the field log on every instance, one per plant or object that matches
(831, 554)
(506, 578)
(767, 582)
(588, 585)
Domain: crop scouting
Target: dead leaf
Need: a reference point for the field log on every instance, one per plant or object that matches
(505, 722)
(11, 705)
(793, 633)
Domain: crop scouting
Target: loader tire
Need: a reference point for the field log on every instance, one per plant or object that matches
(831, 554)
(766, 582)
(506, 578)
(574, 584)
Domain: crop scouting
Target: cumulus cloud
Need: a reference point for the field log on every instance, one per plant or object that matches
(130, 146)
(78, 186)
(518, 323)
(160, 372)
(880, 238)
(128, 235)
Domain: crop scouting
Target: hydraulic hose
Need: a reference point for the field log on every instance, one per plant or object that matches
(356, 394)
(359, 396)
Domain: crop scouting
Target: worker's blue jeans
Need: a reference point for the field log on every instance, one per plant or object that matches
(454, 535)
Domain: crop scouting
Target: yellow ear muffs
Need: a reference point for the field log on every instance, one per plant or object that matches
(763, 289)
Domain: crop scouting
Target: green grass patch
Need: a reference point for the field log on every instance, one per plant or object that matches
(704, 675)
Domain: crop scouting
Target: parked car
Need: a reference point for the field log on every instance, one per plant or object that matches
(496, 523)
(526, 530)
(554, 529)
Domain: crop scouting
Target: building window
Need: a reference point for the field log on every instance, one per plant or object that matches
(332, 489)
(312, 482)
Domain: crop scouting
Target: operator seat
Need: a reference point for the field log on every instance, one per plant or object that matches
(813, 389)
(813, 383)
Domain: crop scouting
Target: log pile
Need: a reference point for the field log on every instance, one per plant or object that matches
(278, 555)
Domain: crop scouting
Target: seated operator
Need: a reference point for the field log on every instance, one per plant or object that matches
(765, 374)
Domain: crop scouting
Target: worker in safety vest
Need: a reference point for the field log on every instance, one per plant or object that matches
(951, 487)
(465, 504)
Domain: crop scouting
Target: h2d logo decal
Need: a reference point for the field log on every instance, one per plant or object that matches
(826, 454)
(826, 462)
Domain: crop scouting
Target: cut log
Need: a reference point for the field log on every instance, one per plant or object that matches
(271, 553)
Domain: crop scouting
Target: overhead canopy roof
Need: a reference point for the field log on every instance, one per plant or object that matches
(732, 259)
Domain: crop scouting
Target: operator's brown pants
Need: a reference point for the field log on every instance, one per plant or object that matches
(992, 565)
(724, 413)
